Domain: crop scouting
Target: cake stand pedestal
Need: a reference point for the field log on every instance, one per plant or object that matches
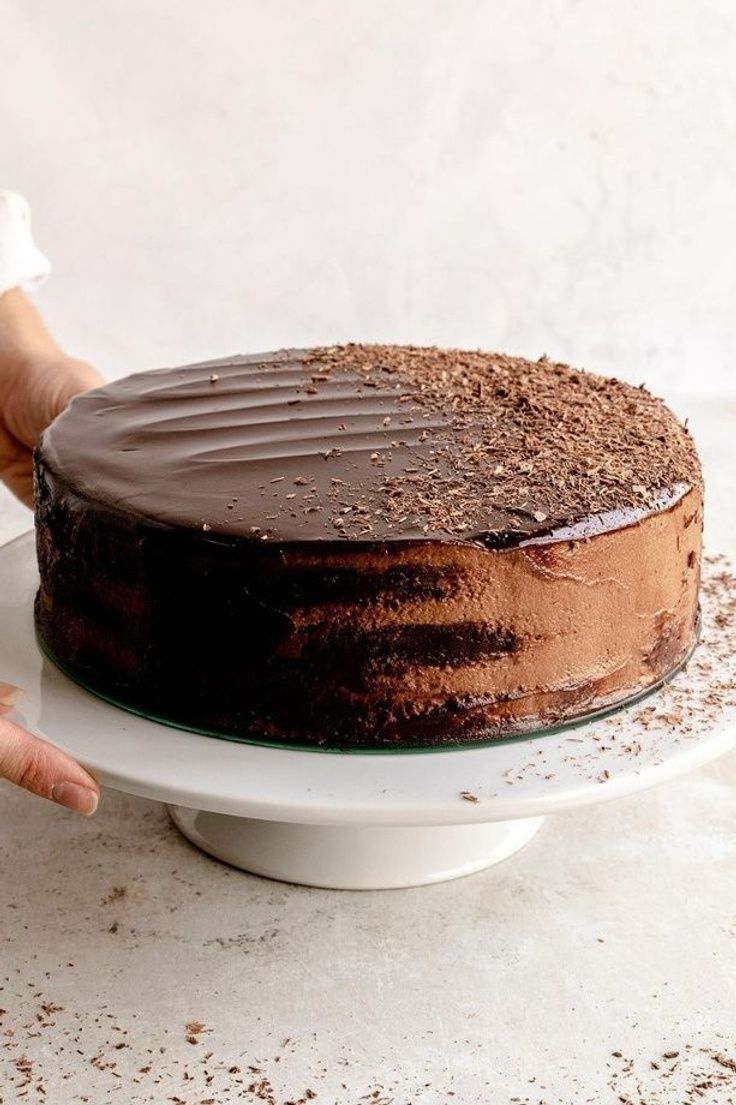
(353, 857)
(349, 821)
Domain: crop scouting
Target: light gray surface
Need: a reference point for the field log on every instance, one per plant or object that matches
(613, 931)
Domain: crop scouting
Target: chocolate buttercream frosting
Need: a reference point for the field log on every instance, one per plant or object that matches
(368, 545)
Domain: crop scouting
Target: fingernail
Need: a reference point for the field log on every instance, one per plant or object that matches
(75, 797)
(9, 694)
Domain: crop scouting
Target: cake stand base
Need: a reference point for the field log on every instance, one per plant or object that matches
(353, 857)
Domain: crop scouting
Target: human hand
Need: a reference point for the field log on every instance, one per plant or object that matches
(40, 767)
(36, 382)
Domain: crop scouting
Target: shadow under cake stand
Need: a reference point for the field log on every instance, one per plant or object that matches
(346, 821)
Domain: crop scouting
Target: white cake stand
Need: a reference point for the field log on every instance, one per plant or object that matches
(351, 821)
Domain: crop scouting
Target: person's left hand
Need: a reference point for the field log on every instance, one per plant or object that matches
(36, 383)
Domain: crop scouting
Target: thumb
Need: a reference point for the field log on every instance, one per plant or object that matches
(74, 376)
(45, 770)
(60, 383)
(44, 392)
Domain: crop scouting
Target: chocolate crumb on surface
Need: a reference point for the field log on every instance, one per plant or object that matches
(115, 894)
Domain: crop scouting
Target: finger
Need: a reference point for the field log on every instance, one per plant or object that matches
(49, 386)
(45, 770)
(81, 376)
(9, 695)
(70, 377)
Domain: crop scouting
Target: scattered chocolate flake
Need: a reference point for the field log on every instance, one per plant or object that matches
(115, 895)
(194, 1028)
(690, 1075)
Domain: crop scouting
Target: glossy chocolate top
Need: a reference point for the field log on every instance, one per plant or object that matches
(375, 443)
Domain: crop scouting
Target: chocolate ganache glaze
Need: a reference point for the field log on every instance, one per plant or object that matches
(368, 546)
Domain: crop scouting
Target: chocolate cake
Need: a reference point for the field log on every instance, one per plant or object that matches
(368, 546)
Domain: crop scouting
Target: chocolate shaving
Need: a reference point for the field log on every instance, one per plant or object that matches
(518, 445)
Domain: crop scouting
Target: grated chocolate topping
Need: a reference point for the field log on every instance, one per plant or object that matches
(375, 443)
(527, 445)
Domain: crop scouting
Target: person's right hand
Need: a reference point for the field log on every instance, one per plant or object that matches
(40, 767)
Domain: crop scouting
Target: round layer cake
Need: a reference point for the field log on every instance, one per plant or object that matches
(368, 546)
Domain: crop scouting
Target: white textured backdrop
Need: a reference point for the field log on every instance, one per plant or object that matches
(236, 175)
